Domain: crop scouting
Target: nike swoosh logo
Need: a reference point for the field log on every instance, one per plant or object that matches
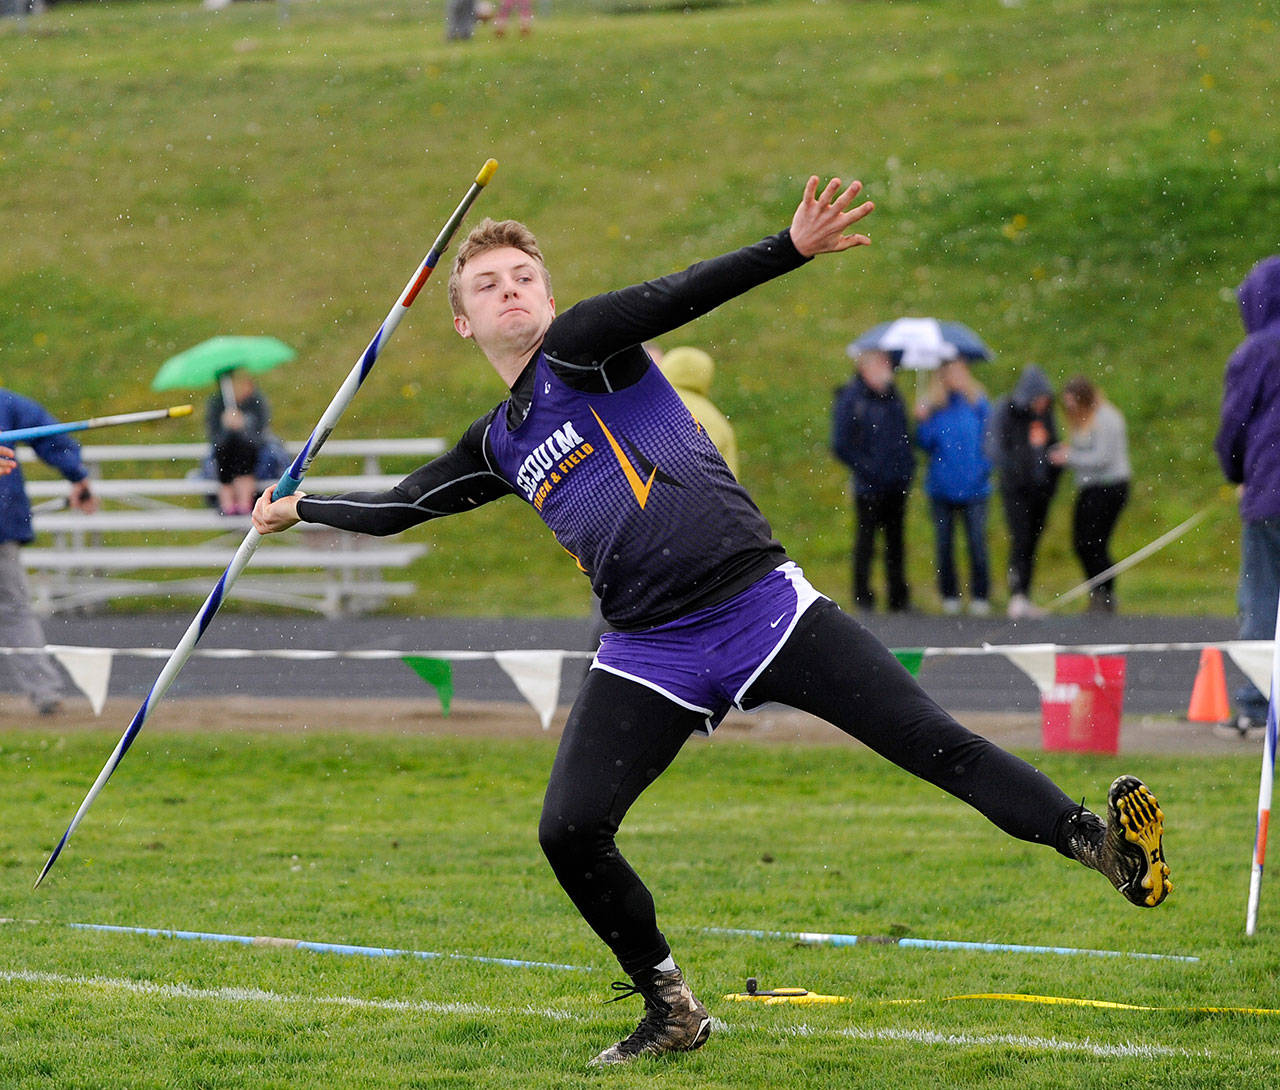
(638, 487)
(778, 621)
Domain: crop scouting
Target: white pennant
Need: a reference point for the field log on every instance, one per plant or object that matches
(1039, 661)
(1254, 657)
(537, 675)
(90, 669)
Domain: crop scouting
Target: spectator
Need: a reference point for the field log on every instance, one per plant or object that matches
(37, 675)
(460, 20)
(504, 13)
(1021, 431)
(1248, 448)
(244, 450)
(953, 421)
(869, 434)
(690, 371)
(1098, 454)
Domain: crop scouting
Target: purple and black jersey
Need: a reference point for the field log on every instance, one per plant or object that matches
(594, 438)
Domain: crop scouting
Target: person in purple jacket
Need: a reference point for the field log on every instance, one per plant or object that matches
(1248, 448)
(37, 675)
(708, 611)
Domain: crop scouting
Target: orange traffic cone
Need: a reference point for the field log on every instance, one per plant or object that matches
(1209, 702)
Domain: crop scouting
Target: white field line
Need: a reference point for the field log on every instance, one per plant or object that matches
(257, 995)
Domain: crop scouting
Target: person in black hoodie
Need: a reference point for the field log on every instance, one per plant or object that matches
(869, 435)
(1020, 433)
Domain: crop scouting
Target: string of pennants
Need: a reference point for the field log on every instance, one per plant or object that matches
(536, 673)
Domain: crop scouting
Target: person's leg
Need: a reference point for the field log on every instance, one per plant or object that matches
(1256, 595)
(1017, 519)
(1038, 501)
(37, 675)
(975, 531)
(864, 543)
(619, 738)
(944, 555)
(893, 517)
(832, 667)
(1112, 502)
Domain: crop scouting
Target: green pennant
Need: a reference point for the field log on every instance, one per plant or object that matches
(911, 658)
(435, 672)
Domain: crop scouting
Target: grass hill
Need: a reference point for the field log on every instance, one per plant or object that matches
(1084, 184)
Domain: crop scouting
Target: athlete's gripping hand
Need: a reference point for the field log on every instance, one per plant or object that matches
(271, 516)
(7, 462)
(820, 223)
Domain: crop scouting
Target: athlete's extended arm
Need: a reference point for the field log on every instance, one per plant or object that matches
(595, 332)
(459, 480)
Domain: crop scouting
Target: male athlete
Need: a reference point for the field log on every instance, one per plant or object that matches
(709, 613)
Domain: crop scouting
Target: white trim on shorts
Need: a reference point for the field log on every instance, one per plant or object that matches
(708, 712)
(806, 595)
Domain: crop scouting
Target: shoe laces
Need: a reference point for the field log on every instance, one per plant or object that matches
(647, 991)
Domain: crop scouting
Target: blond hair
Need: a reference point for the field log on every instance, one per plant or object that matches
(938, 395)
(493, 235)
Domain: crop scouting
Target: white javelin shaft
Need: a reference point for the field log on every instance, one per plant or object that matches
(1130, 560)
(287, 486)
(1264, 792)
(41, 430)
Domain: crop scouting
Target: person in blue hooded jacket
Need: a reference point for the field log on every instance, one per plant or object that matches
(37, 675)
(1248, 449)
(952, 426)
(869, 434)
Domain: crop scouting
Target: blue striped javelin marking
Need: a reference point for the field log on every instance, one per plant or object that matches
(939, 944)
(321, 947)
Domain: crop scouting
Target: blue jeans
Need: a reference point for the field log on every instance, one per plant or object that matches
(974, 516)
(1256, 597)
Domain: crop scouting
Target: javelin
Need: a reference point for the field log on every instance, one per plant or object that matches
(1264, 795)
(1130, 560)
(94, 422)
(287, 485)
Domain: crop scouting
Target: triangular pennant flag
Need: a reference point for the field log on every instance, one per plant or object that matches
(911, 658)
(435, 672)
(1254, 657)
(537, 676)
(90, 669)
(1039, 661)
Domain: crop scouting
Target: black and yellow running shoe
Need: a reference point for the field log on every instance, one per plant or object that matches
(1128, 848)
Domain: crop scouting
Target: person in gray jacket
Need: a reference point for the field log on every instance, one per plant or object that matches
(1098, 453)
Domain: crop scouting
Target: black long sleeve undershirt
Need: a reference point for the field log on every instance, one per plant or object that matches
(595, 347)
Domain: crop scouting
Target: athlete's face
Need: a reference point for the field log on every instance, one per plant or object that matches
(506, 306)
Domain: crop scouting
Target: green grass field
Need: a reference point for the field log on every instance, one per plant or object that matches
(1085, 184)
(428, 843)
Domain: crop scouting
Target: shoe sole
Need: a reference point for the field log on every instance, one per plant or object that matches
(1142, 823)
(610, 1057)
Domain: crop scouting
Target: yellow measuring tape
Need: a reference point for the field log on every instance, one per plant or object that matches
(803, 995)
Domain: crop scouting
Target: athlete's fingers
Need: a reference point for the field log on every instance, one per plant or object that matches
(810, 189)
(847, 197)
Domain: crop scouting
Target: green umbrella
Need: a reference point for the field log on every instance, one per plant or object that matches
(211, 359)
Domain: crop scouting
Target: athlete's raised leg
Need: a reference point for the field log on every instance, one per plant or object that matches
(834, 668)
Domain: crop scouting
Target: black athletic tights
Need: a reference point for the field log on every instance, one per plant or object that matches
(621, 736)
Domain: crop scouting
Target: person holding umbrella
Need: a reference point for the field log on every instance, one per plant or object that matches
(952, 423)
(37, 675)
(237, 416)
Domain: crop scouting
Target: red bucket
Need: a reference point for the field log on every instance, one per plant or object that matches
(1083, 709)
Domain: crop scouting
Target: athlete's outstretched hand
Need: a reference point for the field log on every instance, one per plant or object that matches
(271, 516)
(820, 223)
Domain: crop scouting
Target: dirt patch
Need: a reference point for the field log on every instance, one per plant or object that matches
(1013, 730)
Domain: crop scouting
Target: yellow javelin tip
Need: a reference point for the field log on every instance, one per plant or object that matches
(182, 410)
(486, 172)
